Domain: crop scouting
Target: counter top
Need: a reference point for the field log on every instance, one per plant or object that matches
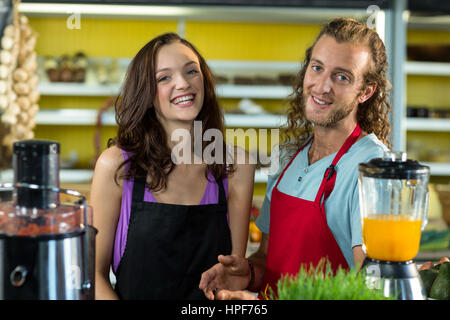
(432, 255)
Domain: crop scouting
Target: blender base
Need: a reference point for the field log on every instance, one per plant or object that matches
(400, 280)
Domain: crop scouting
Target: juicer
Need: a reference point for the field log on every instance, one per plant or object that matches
(393, 196)
(47, 243)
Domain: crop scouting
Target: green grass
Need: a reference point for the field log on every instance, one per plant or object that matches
(320, 283)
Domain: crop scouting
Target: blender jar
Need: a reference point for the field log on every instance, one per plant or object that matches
(393, 196)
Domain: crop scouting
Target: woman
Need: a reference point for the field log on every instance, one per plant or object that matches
(162, 224)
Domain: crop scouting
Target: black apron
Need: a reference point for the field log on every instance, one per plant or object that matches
(169, 246)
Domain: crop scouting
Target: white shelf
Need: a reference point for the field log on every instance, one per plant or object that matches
(254, 121)
(194, 12)
(427, 68)
(438, 169)
(253, 91)
(65, 176)
(427, 124)
(84, 117)
(252, 65)
(78, 89)
(223, 91)
(85, 176)
(88, 117)
(260, 177)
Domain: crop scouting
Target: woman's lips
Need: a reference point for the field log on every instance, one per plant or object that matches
(183, 101)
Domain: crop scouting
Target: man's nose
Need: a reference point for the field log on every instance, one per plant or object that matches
(323, 83)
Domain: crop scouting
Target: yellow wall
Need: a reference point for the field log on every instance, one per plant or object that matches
(251, 41)
(432, 91)
(97, 37)
(417, 36)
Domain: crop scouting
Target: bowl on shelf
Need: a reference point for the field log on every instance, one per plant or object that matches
(443, 191)
(429, 52)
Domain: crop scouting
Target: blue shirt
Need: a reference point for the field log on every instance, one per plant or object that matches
(342, 206)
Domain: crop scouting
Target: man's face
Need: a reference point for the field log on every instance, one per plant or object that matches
(333, 82)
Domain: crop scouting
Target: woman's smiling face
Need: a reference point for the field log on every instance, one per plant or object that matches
(180, 86)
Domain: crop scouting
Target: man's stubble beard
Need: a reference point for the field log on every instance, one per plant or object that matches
(337, 114)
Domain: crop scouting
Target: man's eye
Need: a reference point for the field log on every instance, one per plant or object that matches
(342, 77)
(316, 68)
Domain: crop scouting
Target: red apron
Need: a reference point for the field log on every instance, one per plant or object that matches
(299, 233)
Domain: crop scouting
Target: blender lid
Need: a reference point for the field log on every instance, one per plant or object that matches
(35, 147)
(394, 165)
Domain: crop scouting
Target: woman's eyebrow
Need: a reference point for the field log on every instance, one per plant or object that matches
(186, 64)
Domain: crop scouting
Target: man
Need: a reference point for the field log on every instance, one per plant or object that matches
(338, 118)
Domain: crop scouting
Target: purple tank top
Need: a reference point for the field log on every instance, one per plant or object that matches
(211, 196)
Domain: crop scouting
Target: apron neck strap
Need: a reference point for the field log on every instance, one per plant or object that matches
(292, 159)
(329, 178)
(139, 186)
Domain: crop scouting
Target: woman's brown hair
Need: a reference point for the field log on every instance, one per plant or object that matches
(141, 134)
(373, 114)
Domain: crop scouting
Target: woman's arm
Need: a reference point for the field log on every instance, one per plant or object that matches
(240, 196)
(105, 199)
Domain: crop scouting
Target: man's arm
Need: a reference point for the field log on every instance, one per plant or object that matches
(358, 256)
(231, 276)
(258, 259)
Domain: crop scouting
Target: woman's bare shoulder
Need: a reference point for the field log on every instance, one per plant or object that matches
(105, 172)
(110, 159)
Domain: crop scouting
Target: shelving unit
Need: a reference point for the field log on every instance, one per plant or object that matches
(427, 68)
(429, 124)
(438, 169)
(223, 90)
(65, 176)
(88, 117)
(220, 67)
(78, 89)
(85, 176)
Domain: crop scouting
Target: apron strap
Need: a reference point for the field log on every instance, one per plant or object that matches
(222, 195)
(292, 159)
(139, 189)
(139, 186)
(329, 179)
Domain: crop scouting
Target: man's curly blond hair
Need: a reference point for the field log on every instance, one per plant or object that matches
(373, 114)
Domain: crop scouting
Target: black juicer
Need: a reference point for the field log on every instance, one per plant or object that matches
(47, 246)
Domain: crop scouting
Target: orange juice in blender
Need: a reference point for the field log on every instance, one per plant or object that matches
(393, 201)
(390, 237)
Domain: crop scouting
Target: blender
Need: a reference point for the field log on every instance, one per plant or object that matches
(47, 243)
(393, 196)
